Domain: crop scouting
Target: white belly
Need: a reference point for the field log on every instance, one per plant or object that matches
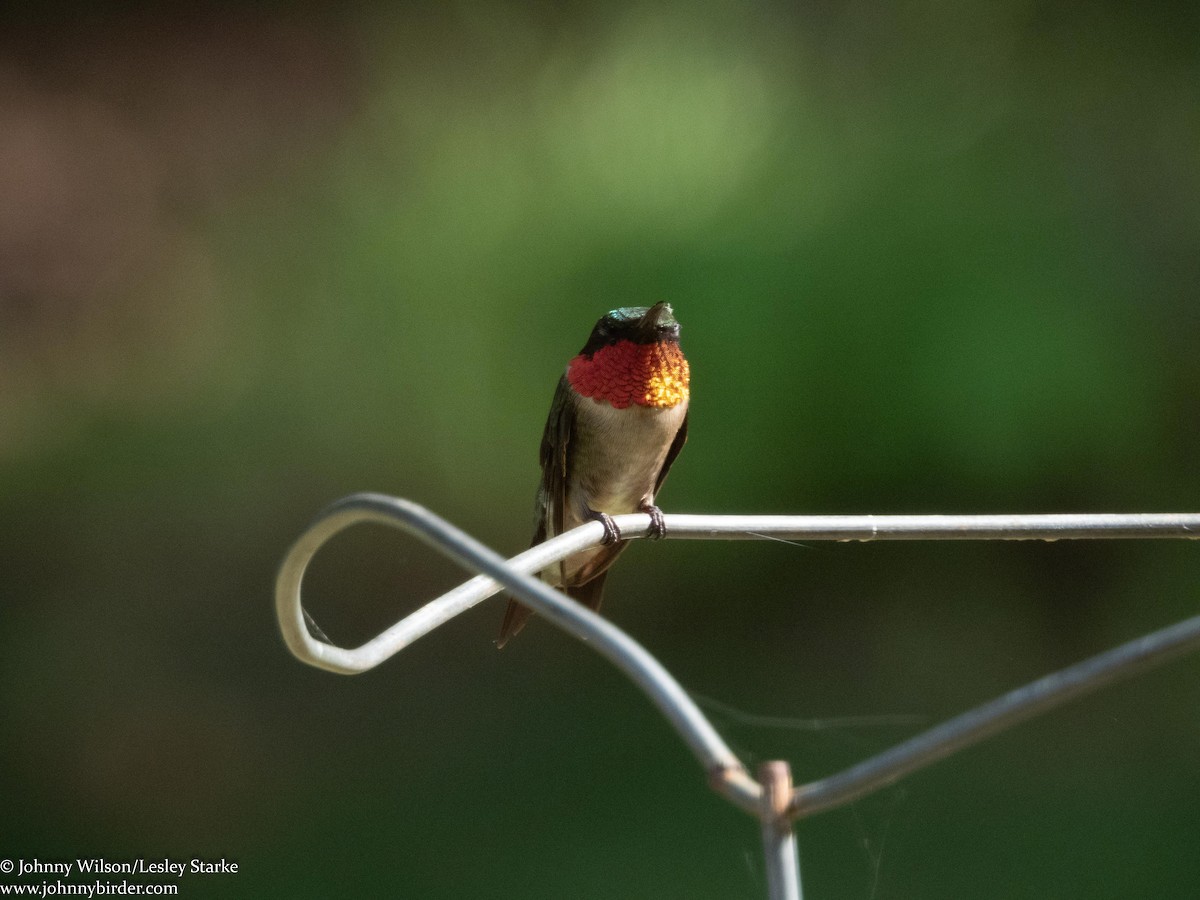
(617, 455)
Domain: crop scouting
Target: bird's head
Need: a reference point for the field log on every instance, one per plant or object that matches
(632, 357)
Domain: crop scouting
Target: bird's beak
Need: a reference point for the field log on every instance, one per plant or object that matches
(658, 322)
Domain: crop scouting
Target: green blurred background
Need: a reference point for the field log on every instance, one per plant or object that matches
(928, 257)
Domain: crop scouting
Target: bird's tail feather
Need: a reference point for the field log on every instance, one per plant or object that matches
(516, 615)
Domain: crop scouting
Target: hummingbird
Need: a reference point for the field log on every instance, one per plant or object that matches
(618, 420)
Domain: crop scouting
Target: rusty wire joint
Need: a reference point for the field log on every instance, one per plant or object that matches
(772, 798)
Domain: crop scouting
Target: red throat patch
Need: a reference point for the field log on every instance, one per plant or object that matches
(623, 373)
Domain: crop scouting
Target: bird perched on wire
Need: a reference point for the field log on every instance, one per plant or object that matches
(618, 420)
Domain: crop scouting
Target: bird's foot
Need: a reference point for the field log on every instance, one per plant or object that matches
(612, 533)
(658, 525)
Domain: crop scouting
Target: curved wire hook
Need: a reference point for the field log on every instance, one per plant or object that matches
(727, 774)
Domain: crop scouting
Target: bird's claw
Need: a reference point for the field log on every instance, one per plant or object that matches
(658, 525)
(612, 533)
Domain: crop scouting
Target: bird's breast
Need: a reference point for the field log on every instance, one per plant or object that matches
(618, 453)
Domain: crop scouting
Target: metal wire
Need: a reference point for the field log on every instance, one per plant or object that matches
(991, 718)
(726, 773)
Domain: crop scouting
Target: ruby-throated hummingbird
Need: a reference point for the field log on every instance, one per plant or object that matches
(618, 420)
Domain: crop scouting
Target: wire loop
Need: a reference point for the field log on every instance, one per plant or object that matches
(726, 773)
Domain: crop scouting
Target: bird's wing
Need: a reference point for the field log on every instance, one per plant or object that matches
(555, 456)
(549, 514)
